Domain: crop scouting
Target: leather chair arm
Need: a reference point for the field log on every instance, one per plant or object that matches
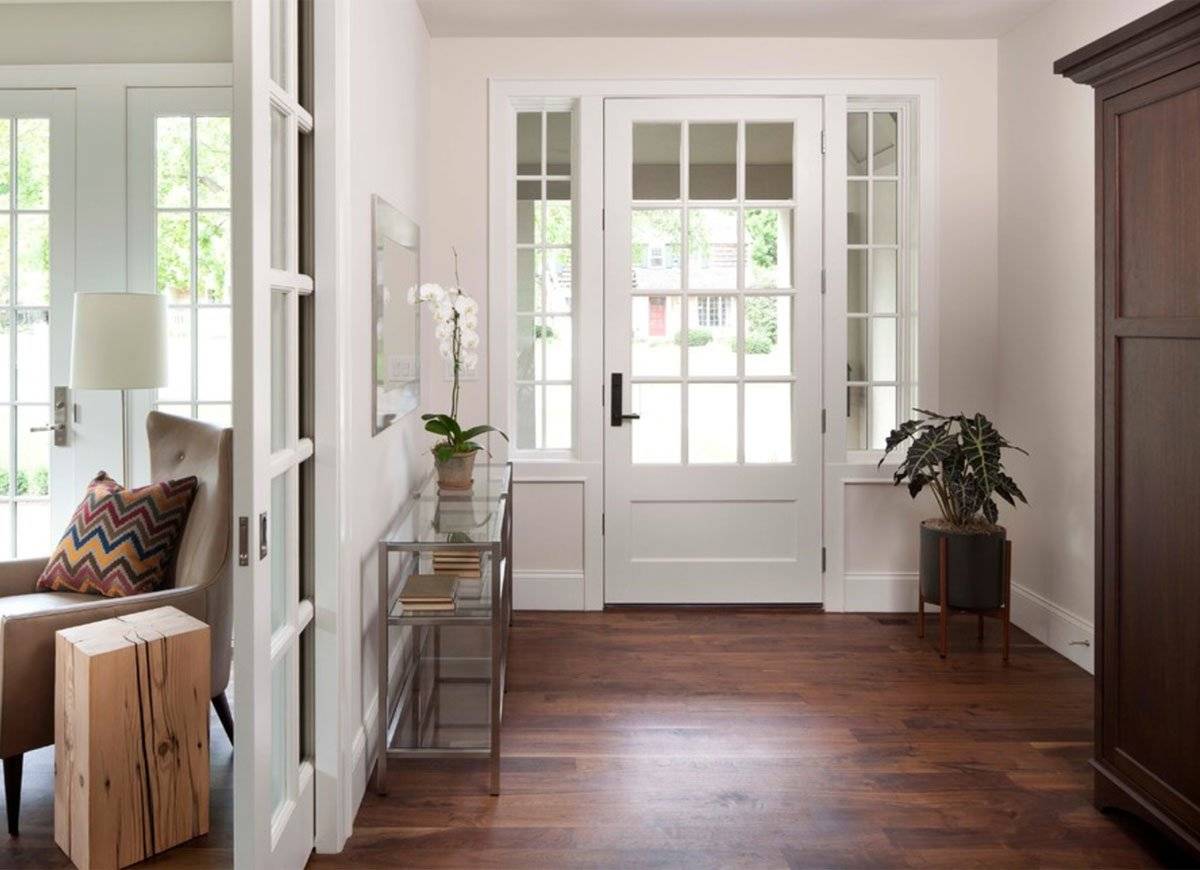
(20, 576)
(27, 677)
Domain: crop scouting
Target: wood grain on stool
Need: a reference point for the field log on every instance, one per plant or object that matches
(131, 737)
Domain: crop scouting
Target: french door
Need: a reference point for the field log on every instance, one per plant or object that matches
(273, 606)
(712, 344)
(37, 256)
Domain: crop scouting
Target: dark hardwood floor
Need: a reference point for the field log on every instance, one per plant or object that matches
(751, 739)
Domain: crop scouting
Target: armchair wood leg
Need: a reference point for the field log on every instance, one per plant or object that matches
(13, 765)
(221, 705)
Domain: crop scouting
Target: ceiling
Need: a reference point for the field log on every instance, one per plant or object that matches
(881, 19)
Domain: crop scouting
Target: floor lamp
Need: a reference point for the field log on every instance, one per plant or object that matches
(119, 342)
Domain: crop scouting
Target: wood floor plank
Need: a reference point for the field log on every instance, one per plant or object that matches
(709, 738)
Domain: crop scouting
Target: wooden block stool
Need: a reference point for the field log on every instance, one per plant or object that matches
(130, 736)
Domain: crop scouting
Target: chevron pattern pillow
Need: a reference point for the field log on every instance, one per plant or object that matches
(121, 541)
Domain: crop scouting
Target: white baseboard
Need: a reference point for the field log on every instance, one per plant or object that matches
(548, 590)
(1067, 633)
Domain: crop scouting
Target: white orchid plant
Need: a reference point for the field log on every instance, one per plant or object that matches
(457, 331)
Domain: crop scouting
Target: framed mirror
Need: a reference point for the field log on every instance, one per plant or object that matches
(396, 338)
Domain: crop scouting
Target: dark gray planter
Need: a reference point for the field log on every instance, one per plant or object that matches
(975, 567)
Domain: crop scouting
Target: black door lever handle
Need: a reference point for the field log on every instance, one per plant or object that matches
(616, 399)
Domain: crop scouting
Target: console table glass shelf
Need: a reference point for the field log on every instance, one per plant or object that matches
(448, 698)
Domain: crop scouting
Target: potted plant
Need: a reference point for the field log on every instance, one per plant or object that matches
(958, 459)
(457, 322)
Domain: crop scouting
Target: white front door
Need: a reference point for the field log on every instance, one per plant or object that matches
(37, 254)
(273, 608)
(712, 327)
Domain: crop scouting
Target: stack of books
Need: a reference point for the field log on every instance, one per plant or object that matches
(429, 592)
(458, 563)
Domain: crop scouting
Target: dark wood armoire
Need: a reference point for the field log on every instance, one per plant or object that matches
(1147, 82)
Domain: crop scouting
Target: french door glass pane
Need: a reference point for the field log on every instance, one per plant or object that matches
(213, 354)
(856, 143)
(280, 219)
(884, 217)
(712, 161)
(527, 280)
(856, 349)
(33, 528)
(179, 355)
(33, 355)
(213, 266)
(656, 161)
(5, 258)
(33, 163)
(712, 335)
(712, 248)
(883, 282)
(712, 423)
(280, 556)
(558, 285)
(527, 425)
(5, 168)
(279, 381)
(279, 729)
(5, 386)
(280, 39)
(529, 143)
(527, 330)
(856, 281)
(768, 248)
(219, 414)
(529, 208)
(33, 451)
(655, 342)
(883, 349)
(213, 162)
(554, 349)
(657, 436)
(33, 259)
(856, 418)
(769, 161)
(558, 143)
(174, 253)
(6, 529)
(557, 413)
(7, 483)
(883, 413)
(176, 409)
(884, 143)
(173, 161)
(856, 212)
(768, 331)
(657, 241)
(768, 422)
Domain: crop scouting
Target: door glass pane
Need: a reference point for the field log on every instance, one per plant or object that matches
(174, 255)
(33, 355)
(856, 143)
(883, 216)
(280, 556)
(526, 327)
(526, 280)
(856, 418)
(213, 354)
(279, 730)
(279, 382)
(33, 163)
(177, 410)
(5, 258)
(33, 528)
(768, 248)
(656, 328)
(213, 272)
(656, 161)
(553, 358)
(712, 423)
(657, 241)
(529, 207)
(5, 393)
(712, 248)
(529, 143)
(883, 349)
(558, 417)
(883, 282)
(768, 333)
(557, 279)
(769, 161)
(5, 177)
(657, 435)
(856, 349)
(856, 212)
(558, 221)
(712, 161)
(213, 137)
(173, 161)
(558, 143)
(7, 483)
(883, 415)
(884, 146)
(768, 422)
(526, 416)
(280, 219)
(179, 355)
(217, 414)
(712, 335)
(856, 281)
(33, 451)
(279, 42)
(33, 259)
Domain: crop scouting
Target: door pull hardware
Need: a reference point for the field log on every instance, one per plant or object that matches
(616, 418)
(822, 560)
(59, 424)
(262, 536)
(243, 541)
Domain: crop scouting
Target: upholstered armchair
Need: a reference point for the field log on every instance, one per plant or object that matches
(202, 587)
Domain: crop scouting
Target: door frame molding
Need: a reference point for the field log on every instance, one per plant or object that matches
(505, 94)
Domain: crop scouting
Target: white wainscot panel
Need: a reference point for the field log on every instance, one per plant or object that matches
(882, 546)
(548, 549)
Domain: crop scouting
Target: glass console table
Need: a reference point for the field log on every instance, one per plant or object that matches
(449, 698)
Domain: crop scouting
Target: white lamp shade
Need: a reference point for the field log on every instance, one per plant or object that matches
(119, 341)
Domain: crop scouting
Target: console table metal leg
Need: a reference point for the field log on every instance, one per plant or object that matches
(382, 663)
(498, 628)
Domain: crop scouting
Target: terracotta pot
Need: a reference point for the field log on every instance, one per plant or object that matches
(975, 565)
(457, 472)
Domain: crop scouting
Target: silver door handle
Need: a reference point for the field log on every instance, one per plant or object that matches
(56, 427)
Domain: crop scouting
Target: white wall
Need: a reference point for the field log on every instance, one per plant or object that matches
(153, 32)
(1047, 313)
(388, 101)
(966, 71)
